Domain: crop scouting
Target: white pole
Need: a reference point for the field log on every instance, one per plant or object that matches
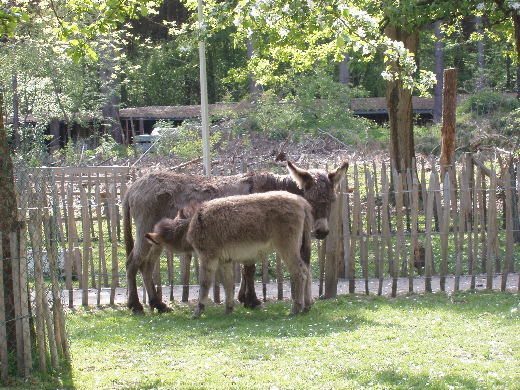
(204, 98)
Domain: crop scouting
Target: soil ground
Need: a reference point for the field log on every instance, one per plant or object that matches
(120, 297)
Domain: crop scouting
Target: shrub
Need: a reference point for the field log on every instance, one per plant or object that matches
(184, 141)
(485, 103)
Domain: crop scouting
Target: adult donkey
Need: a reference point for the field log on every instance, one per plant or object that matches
(162, 194)
(236, 229)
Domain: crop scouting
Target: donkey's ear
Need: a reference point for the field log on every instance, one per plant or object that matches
(152, 238)
(188, 210)
(181, 214)
(338, 174)
(302, 177)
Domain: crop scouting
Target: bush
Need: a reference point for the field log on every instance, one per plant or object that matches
(184, 141)
(33, 150)
(485, 103)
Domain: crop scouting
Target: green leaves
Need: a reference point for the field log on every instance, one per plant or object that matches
(9, 19)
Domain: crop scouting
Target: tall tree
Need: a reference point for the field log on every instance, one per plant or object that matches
(300, 33)
(10, 17)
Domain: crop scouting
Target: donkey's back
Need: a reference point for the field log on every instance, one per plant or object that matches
(240, 227)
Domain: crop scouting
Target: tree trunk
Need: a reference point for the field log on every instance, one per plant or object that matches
(480, 55)
(399, 106)
(110, 95)
(516, 25)
(16, 120)
(254, 88)
(439, 69)
(8, 224)
(54, 128)
(449, 107)
(344, 71)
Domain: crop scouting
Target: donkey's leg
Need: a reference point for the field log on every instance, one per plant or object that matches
(137, 259)
(297, 270)
(226, 275)
(247, 293)
(147, 271)
(308, 301)
(132, 266)
(207, 269)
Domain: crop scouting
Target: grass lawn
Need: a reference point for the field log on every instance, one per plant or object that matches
(431, 341)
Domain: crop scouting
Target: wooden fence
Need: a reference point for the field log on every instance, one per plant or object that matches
(417, 224)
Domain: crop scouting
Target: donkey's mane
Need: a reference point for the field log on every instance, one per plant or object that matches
(267, 181)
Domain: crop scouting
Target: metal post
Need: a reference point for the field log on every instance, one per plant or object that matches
(204, 98)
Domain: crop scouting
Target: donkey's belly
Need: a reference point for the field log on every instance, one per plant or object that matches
(241, 253)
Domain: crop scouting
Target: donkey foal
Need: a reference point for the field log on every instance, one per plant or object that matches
(240, 228)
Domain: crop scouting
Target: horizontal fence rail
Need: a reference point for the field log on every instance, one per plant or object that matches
(430, 221)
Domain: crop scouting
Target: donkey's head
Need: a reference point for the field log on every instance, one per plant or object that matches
(319, 189)
(172, 233)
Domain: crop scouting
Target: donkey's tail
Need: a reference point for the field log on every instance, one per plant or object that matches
(306, 248)
(127, 225)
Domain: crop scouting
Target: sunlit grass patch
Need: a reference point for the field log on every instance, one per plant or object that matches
(423, 341)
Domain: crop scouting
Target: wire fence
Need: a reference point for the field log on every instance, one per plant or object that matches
(32, 325)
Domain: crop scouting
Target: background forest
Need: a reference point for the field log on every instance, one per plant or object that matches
(152, 60)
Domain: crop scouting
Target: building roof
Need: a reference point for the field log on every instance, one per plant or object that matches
(358, 105)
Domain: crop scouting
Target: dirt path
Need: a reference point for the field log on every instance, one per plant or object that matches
(343, 287)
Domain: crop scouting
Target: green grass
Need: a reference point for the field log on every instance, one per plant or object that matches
(431, 341)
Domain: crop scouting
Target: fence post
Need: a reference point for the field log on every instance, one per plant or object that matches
(492, 230)
(428, 247)
(331, 263)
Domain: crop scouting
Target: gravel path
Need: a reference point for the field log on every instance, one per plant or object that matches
(120, 297)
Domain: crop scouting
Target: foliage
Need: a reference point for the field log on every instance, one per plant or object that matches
(33, 150)
(428, 140)
(108, 149)
(352, 342)
(185, 141)
(77, 153)
(300, 34)
(510, 124)
(489, 102)
(308, 104)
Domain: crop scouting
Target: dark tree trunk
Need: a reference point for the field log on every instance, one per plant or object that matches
(110, 95)
(449, 116)
(344, 71)
(16, 120)
(516, 25)
(8, 224)
(399, 106)
(254, 88)
(439, 69)
(481, 82)
(54, 128)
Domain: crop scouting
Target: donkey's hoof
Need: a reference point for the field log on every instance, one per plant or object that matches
(165, 309)
(136, 308)
(254, 304)
(297, 309)
(161, 307)
(196, 314)
(229, 310)
(137, 312)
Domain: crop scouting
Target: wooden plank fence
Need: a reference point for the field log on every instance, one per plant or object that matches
(428, 222)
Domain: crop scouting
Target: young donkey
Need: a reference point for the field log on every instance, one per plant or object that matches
(240, 228)
(162, 194)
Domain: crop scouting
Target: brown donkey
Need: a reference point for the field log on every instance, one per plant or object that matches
(162, 194)
(240, 228)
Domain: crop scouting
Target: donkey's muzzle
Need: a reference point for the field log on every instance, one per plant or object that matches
(320, 229)
(320, 234)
